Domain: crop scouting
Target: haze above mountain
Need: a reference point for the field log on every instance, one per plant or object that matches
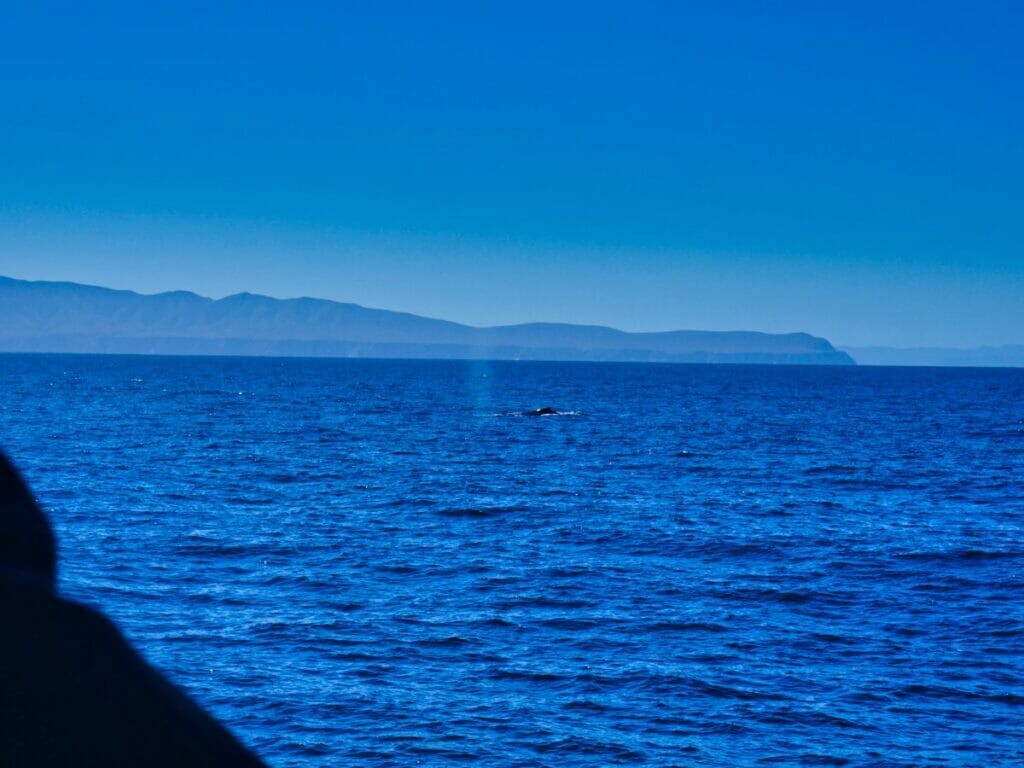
(70, 317)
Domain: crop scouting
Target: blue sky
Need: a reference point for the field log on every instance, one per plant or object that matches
(850, 171)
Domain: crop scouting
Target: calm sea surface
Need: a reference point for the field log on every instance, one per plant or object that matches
(385, 563)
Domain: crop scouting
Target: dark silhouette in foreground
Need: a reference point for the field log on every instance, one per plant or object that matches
(72, 691)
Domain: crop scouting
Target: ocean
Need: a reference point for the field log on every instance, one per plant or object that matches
(359, 562)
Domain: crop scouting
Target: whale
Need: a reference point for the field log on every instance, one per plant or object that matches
(546, 411)
(72, 689)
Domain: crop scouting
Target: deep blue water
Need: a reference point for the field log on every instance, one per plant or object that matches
(379, 563)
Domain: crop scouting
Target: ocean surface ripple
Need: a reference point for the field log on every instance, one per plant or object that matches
(370, 563)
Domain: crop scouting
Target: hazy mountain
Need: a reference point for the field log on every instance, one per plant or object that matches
(68, 317)
(1008, 356)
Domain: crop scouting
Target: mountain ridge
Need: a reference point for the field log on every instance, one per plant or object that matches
(45, 316)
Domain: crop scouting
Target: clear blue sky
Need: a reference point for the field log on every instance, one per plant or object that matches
(855, 170)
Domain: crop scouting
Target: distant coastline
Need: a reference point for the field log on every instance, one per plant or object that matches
(1005, 356)
(74, 318)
